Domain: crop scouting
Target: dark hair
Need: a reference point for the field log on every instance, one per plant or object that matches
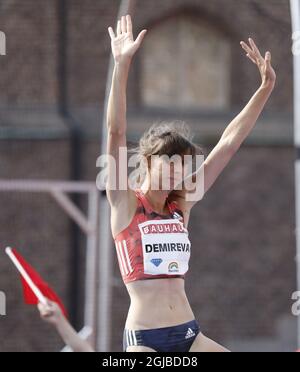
(167, 138)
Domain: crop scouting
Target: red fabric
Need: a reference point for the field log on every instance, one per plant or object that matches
(29, 297)
(128, 242)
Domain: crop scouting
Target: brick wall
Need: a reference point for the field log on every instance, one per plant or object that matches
(242, 232)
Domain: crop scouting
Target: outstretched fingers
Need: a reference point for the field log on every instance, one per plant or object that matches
(268, 59)
(129, 24)
(249, 51)
(255, 49)
(123, 25)
(140, 37)
(111, 33)
(124, 31)
(119, 31)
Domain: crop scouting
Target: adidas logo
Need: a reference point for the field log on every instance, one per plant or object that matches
(190, 333)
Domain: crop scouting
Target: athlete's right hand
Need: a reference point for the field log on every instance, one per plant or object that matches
(123, 45)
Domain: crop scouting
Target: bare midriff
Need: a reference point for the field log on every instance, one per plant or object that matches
(158, 303)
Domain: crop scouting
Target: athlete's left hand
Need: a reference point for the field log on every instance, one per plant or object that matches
(50, 312)
(266, 70)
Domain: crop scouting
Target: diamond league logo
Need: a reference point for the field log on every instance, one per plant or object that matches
(2, 304)
(156, 261)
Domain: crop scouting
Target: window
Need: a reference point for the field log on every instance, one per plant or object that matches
(185, 64)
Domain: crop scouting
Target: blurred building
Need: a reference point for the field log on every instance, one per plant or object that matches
(191, 67)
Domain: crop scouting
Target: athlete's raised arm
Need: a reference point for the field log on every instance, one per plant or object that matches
(239, 129)
(123, 48)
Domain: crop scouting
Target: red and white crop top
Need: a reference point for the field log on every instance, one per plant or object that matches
(153, 246)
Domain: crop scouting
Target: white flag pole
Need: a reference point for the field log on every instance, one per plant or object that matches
(105, 254)
(26, 277)
(295, 13)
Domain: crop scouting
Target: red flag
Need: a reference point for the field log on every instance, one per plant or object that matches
(29, 297)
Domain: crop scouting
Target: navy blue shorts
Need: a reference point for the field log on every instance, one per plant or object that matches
(169, 339)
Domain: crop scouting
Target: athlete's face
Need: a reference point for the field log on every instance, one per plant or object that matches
(166, 173)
